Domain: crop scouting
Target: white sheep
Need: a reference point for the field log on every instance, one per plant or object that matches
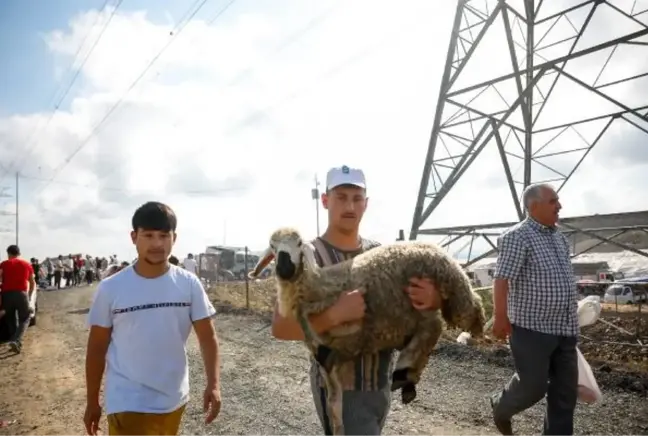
(391, 322)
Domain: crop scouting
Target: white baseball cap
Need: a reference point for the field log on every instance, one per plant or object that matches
(345, 176)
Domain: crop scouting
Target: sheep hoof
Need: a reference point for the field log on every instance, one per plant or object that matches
(323, 357)
(408, 393)
(399, 379)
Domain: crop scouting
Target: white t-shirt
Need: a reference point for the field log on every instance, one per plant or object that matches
(190, 265)
(151, 319)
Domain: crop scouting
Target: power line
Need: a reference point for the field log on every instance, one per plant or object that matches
(131, 191)
(295, 36)
(35, 133)
(327, 75)
(133, 84)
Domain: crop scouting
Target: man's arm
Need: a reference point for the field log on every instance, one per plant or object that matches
(510, 258)
(348, 308)
(202, 311)
(32, 279)
(98, 342)
(209, 349)
(100, 321)
(288, 328)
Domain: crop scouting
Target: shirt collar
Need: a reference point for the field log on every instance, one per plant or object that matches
(537, 226)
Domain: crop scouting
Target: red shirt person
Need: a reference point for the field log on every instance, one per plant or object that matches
(18, 282)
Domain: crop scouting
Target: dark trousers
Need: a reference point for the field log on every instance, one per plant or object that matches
(16, 305)
(545, 365)
(68, 278)
(57, 279)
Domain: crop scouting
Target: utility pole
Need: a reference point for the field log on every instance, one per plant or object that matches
(17, 205)
(315, 196)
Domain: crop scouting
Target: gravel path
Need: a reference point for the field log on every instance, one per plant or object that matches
(265, 388)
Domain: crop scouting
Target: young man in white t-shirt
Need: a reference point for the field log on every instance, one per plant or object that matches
(140, 320)
(190, 264)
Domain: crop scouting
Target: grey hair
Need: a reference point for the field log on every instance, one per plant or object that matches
(532, 193)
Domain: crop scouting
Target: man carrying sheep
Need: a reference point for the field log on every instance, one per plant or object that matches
(535, 304)
(366, 380)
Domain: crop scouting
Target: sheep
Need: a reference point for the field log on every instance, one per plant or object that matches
(391, 322)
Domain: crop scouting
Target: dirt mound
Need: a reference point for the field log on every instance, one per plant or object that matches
(608, 377)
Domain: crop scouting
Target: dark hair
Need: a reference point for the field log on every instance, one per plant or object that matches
(173, 260)
(154, 216)
(13, 250)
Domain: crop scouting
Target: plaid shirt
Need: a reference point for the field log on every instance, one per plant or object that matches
(542, 288)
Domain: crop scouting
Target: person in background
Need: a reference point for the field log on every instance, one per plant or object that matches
(59, 269)
(140, 321)
(18, 282)
(174, 260)
(366, 380)
(535, 305)
(76, 270)
(49, 264)
(190, 264)
(37, 269)
(68, 265)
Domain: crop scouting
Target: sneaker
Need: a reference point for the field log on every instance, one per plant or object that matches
(15, 347)
(504, 426)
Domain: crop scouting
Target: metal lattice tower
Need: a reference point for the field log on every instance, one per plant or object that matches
(541, 40)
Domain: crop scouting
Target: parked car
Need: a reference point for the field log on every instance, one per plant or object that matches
(622, 294)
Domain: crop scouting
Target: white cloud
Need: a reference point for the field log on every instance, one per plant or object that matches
(242, 120)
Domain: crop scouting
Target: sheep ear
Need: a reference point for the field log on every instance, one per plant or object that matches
(309, 257)
(262, 263)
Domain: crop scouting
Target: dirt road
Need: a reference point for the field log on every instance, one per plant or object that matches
(265, 389)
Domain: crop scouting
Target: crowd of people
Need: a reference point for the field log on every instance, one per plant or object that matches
(141, 317)
(78, 270)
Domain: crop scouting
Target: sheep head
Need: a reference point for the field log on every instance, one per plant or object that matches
(290, 253)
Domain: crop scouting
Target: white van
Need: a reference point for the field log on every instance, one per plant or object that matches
(622, 294)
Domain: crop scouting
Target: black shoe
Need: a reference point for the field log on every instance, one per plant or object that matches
(504, 426)
(15, 347)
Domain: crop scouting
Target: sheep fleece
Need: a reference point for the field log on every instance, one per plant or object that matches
(383, 273)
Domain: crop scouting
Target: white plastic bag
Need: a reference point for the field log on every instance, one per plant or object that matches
(589, 310)
(588, 390)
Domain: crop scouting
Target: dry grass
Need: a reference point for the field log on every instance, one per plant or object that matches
(260, 295)
(625, 308)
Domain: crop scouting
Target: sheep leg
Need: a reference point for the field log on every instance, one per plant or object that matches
(413, 359)
(345, 329)
(310, 337)
(334, 398)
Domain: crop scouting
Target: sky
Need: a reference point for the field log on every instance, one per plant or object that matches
(229, 114)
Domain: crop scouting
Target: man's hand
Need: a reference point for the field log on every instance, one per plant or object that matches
(350, 307)
(91, 418)
(501, 327)
(423, 294)
(211, 403)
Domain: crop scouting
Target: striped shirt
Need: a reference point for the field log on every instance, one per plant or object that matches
(542, 288)
(369, 372)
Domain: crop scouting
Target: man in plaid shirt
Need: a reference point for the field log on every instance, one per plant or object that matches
(535, 305)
